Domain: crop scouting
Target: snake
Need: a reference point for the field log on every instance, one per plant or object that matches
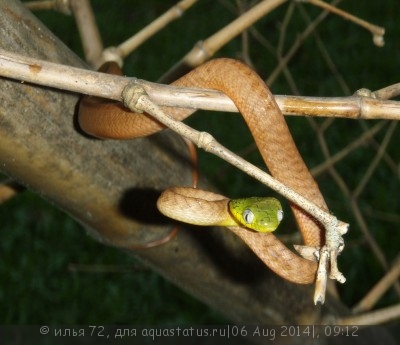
(108, 119)
(262, 214)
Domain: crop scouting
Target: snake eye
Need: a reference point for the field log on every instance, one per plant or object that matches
(280, 215)
(248, 216)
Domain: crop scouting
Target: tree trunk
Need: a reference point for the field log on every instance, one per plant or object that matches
(111, 187)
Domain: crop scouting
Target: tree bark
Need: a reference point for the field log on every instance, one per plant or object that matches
(111, 187)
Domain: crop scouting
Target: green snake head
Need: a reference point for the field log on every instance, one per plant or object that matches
(259, 214)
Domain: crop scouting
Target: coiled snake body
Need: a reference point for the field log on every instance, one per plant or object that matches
(271, 134)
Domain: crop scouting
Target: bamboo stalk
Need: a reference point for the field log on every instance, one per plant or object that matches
(41, 72)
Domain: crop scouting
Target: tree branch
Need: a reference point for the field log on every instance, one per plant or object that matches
(36, 71)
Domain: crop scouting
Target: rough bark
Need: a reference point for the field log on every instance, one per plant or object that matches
(111, 187)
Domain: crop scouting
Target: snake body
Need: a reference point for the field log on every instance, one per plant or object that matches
(271, 134)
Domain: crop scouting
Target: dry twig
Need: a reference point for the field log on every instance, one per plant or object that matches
(62, 6)
(379, 289)
(376, 31)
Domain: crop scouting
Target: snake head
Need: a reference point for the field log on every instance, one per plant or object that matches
(259, 214)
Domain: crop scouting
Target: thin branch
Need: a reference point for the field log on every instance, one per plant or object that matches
(353, 107)
(337, 157)
(40, 5)
(323, 50)
(58, 76)
(62, 6)
(379, 289)
(363, 225)
(46, 73)
(376, 31)
(373, 318)
(284, 28)
(295, 47)
(388, 92)
(381, 215)
(127, 47)
(205, 49)
(208, 47)
(242, 6)
(88, 30)
(375, 162)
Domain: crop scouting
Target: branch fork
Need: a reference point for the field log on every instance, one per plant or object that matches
(326, 257)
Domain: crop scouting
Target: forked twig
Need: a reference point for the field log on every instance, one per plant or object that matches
(283, 61)
(91, 41)
(205, 49)
(387, 92)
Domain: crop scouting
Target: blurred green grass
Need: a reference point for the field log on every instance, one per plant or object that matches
(39, 242)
